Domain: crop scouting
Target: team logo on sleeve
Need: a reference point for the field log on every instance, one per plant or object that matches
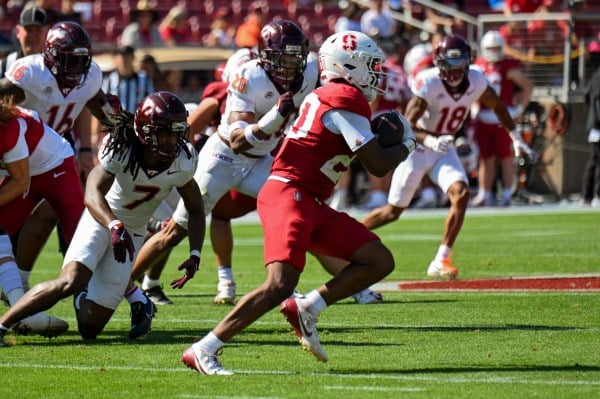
(419, 84)
(18, 74)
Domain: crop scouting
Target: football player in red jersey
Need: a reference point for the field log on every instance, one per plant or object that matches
(495, 145)
(333, 126)
(237, 156)
(142, 159)
(439, 106)
(34, 161)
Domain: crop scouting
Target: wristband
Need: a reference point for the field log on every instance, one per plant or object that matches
(410, 144)
(271, 122)
(430, 141)
(85, 149)
(515, 135)
(237, 125)
(249, 135)
(114, 223)
(194, 252)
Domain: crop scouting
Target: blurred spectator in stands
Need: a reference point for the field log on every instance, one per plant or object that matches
(142, 31)
(505, 76)
(594, 50)
(174, 28)
(248, 33)
(130, 85)
(68, 12)
(192, 87)
(497, 5)
(222, 31)
(591, 176)
(523, 6)
(349, 19)
(377, 20)
(31, 35)
(435, 19)
(150, 66)
(516, 42)
(52, 11)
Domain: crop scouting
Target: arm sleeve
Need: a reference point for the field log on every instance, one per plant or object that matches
(355, 128)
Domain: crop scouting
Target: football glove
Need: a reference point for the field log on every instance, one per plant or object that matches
(121, 241)
(191, 267)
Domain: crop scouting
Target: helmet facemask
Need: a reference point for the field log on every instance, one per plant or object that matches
(284, 67)
(453, 70)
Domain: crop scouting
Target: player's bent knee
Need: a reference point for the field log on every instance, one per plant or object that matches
(87, 334)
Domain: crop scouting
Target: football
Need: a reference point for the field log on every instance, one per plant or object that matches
(388, 128)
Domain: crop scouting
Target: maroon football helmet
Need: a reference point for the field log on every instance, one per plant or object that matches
(158, 115)
(453, 57)
(282, 50)
(68, 53)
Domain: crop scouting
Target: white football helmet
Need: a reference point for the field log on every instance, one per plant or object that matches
(414, 56)
(492, 46)
(356, 58)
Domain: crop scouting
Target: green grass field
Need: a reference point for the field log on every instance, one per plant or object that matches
(422, 344)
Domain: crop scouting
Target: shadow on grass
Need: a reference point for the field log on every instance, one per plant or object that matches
(328, 334)
(473, 369)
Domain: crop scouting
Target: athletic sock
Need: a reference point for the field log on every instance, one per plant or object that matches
(210, 343)
(225, 273)
(443, 252)
(148, 283)
(135, 295)
(313, 302)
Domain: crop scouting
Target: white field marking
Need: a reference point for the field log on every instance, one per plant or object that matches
(517, 378)
(190, 396)
(545, 209)
(371, 388)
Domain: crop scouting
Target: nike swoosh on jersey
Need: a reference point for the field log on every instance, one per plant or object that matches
(58, 174)
(170, 172)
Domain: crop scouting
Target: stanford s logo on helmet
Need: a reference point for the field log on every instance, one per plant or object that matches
(453, 57)
(282, 50)
(161, 113)
(355, 58)
(68, 53)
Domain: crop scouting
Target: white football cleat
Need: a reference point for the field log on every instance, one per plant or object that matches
(304, 324)
(442, 269)
(367, 296)
(225, 293)
(41, 324)
(203, 362)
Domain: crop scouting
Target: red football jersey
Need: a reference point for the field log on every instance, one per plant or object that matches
(496, 74)
(312, 155)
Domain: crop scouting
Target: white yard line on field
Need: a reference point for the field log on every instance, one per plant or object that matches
(516, 378)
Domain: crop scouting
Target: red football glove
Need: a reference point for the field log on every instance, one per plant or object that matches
(121, 241)
(191, 267)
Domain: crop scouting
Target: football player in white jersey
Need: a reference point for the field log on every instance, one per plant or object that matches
(442, 98)
(141, 160)
(262, 95)
(58, 84)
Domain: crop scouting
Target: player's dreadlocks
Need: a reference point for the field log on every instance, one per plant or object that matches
(123, 142)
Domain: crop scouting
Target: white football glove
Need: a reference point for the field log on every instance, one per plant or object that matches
(519, 145)
(441, 143)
